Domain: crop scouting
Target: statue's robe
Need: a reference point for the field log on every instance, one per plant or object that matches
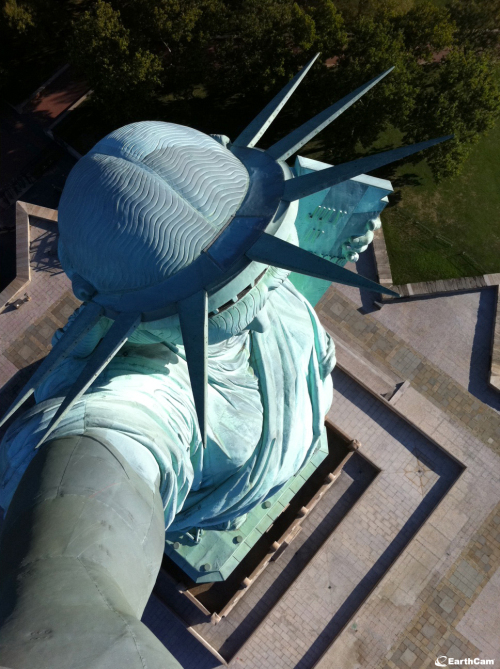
(268, 395)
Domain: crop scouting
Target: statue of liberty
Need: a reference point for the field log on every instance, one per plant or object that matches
(189, 387)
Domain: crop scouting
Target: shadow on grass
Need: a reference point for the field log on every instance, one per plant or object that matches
(400, 181)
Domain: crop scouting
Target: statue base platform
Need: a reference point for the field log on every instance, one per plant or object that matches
(212, 555)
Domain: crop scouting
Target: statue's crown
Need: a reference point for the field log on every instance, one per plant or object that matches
(143, 204)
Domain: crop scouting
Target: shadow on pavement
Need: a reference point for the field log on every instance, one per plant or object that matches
(479, 371)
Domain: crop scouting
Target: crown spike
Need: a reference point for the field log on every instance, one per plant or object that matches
(85, 320)
(278, 253)
(119, 332)
(193, 316)
(296, 139)
(253, 132)
(317, 181)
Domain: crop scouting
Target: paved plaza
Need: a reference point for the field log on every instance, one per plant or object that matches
(453, 331)
(26, 333)
(392, 568)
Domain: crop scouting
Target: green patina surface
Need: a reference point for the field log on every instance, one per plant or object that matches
(197, 357)
(224, 550)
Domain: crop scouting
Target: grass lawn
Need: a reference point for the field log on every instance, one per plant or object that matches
(450, 229)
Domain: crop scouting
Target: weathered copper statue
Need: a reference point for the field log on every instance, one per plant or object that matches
(189, 387)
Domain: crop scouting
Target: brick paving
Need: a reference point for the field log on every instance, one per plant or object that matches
(438, 628)
(384, 349)
(454, 332)
(35, 342)
(48, 284)
(481, 622)
(415, 613)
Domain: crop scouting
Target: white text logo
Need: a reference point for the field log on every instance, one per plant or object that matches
(443, 661)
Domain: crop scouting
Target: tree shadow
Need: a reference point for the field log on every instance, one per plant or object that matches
(41, 117)
(398, 183)
(46, 190)
(406, 180)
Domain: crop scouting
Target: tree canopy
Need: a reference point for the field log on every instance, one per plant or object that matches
(118, 71)
(439, 86)
(220, 57)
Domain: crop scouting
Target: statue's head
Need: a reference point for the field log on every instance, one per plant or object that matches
(143, 217)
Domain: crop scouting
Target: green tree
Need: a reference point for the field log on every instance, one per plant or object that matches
(20, 17)
(436, 88)
(478, 23)
(179, 31)
(460, 97)
(42, 23)
(353, 10)
(125, 79)
(330, 36)
(375, 44)
(138, 55)
(261, 43)
(427, 30)
(32, 38)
